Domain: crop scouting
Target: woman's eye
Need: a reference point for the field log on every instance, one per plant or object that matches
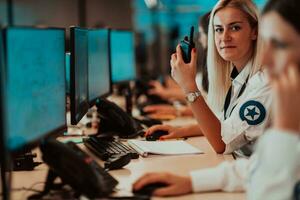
(218, 30)
(279, 45)
(235, 28)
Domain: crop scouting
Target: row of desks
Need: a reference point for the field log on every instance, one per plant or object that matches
(180, 165)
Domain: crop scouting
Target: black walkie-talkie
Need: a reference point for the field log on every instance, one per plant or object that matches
(186, 45)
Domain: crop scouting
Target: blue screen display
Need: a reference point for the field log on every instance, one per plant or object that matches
(1, 83)
(81, 74)
(122, 56)
(98, 62)
(34, 84)
(68, 60)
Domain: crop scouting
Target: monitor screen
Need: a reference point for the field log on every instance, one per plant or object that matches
(68, 58)
(98, 62)
(79, 74)
(2, 147)
(34, 85)
(122, 56)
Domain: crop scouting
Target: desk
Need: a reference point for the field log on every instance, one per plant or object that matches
(180, 165)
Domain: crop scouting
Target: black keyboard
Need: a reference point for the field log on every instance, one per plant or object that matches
(108, 148)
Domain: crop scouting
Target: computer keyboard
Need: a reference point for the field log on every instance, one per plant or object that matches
(108, 148)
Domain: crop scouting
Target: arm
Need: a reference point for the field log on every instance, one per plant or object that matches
(184, 74)
(277, 169)
(227, 177)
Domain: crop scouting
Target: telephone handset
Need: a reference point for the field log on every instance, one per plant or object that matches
(186, 45)
(115, 121)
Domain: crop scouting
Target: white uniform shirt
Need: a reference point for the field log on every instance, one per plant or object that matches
(277, 168)
(271, 173)
(247, 116)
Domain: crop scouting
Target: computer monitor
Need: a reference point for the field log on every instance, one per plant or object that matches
(79, 73)
(122, 56)
(68, 60)
(99, 82)
(34, 85)
(1, 86)
(1, 90)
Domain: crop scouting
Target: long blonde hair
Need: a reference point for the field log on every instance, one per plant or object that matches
(218, 69)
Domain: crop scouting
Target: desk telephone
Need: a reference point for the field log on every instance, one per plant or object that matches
(76, 169)
(115, 121)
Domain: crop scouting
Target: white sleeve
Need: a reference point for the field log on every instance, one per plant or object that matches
(237, 131)
(228, 176)
(277, 167)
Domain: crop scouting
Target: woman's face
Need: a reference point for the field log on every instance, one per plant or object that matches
(202, 37)
(282, 43)
(233, 35)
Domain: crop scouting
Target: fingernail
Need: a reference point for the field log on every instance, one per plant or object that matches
(194, 50)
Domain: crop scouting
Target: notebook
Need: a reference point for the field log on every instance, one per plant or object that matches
(163, 147)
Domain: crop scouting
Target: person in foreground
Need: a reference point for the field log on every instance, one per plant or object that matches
(273, 170)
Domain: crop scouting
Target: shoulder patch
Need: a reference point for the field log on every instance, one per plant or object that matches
(253, 112)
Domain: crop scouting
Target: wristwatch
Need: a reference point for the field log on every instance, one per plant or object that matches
(192, 96)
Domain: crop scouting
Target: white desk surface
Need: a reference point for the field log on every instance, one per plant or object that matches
(180, 165)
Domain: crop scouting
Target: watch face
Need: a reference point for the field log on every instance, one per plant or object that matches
(191, 97)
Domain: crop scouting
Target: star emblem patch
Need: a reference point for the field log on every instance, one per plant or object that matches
(253, 112)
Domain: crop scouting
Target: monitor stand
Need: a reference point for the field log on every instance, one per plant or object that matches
(128, 99)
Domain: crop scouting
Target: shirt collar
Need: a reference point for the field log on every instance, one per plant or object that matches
(242, 76)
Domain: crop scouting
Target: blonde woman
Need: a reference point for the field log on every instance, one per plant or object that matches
(239, 93)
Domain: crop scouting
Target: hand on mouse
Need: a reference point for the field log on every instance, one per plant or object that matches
(176, 185)
(173, 132)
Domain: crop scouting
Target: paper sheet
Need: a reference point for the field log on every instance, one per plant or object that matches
(163, 147)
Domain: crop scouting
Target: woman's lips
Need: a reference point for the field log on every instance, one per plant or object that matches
(228, 47)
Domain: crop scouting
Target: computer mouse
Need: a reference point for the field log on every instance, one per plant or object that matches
(149, 189)
(156, 135)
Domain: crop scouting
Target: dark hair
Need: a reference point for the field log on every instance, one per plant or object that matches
(204, 22)
(287, 9)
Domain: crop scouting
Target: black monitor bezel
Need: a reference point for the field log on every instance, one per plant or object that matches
(84, 105)
(68, 91)
(50, 134)
(110, 57)
(93, 102)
